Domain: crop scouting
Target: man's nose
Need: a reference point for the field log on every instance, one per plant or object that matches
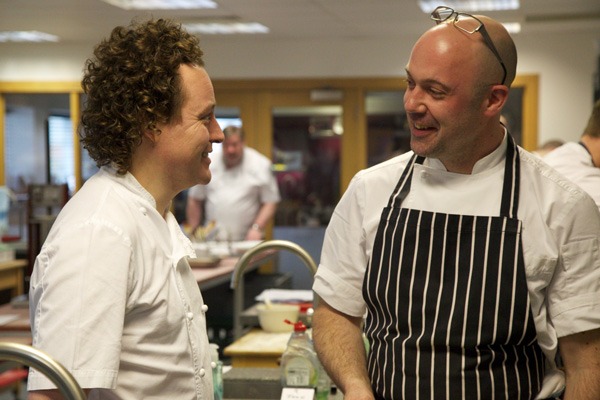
(216, 135)
(413, 102)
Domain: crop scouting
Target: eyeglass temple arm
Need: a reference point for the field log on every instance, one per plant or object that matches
(490, 44)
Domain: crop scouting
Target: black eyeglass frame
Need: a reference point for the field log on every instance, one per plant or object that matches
(481, 29)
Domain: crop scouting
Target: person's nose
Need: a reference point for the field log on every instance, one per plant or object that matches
(413, 101)
(215, 134)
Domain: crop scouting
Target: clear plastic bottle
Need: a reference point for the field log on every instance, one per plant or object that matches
(217, 371)
(299, 362)
(323, 384)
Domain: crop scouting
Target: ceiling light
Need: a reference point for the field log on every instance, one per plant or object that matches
(162, 4)
(226, 28)
(27, 36)
(512, 27)
(427, 6)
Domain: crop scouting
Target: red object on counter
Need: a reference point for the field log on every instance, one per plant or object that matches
(305, 306)
(10, 238)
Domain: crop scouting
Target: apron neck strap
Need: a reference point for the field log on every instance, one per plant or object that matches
(403, 186)
(512, 175)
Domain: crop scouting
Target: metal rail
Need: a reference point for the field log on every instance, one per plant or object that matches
(39, 360)
(237, 281)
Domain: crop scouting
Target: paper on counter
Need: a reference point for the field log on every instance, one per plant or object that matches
(218, 249)
(5, 319)
(259, 342)
(286, 295)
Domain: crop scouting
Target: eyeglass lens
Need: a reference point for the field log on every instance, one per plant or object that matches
(442, 13)
(467, 23)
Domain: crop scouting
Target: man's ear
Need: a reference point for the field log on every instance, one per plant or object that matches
(496, 99)
(150, 136)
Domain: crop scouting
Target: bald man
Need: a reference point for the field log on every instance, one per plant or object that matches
(467, 263)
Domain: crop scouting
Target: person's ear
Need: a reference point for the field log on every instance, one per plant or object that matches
(496, 99)
(150, 136)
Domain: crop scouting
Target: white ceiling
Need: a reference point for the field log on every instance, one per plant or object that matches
(85, 22)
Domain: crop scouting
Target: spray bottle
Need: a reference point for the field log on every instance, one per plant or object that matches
(299, 362)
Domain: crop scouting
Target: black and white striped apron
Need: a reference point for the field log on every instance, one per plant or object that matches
(448, 308)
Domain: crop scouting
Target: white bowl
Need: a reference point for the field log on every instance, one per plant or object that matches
(243, 246)
(272, 318)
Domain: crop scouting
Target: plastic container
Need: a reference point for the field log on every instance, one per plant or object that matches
(271, 317)
(217, 371)
(299, 362)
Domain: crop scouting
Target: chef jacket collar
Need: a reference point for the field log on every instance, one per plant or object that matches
(491, 160)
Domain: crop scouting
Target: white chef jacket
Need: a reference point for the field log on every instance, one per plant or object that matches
(234, 195)
(113, 299)
(560, 238)
(575, 162)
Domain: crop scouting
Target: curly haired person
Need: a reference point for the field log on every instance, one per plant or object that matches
(112, 297)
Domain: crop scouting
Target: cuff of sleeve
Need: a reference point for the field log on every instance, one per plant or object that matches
(578, 314)
(86, 379)
(338, 293)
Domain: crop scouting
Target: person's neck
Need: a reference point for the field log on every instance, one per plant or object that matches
(150, 182)
(151, 177)
(592, 144)
(466, 161)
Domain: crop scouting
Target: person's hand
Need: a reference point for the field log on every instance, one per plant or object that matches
(365, 395)
(254, 234)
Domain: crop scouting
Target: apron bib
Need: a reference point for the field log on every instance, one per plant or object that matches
(448, 307)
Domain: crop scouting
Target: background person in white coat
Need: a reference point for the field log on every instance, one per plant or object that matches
(243, 197)
(580, 161)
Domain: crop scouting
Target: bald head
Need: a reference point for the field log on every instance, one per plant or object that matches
(505, 46)
(454, 45)
(454, 95)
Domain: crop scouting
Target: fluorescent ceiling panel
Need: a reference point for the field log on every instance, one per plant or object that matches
(512, 27)
(427, 6)
(226, 28)
(162, 4)
(27, 36)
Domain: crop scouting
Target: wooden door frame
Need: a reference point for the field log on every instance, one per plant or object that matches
(256, 98)
(71, 89)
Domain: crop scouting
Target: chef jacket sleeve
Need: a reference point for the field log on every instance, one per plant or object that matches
(78, 301)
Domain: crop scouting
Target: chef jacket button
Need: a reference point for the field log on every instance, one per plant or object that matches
(204, 308)
(202, 372)
(143, 210)
(190, 315)
(424, 175)
(213, 364)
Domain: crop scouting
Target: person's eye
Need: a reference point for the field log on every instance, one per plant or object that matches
(436, 93)
(410, 83)
(206, 118)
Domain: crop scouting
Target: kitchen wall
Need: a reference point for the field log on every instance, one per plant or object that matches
(565, 63)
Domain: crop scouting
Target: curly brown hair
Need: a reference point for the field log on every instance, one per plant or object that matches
(132, 84)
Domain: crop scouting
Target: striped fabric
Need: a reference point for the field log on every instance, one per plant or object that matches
(448, 307)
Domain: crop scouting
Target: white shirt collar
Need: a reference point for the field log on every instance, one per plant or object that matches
(131, 183)
(491, 160)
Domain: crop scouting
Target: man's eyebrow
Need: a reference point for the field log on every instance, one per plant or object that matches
(209, 108)
(430, 82)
